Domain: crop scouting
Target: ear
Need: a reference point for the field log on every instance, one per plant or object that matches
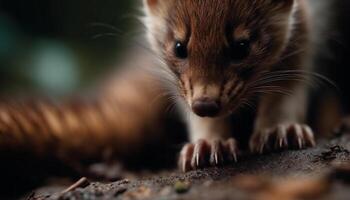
(151, 4)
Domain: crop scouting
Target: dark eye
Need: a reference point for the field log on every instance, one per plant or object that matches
(240, 50)
(180, 50)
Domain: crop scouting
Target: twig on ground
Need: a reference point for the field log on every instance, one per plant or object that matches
(83, 182)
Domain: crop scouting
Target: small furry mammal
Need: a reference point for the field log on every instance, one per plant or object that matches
(214, 56)
(221, 53)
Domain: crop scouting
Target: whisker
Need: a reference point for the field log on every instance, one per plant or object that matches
(266, 91)
(275, 80)
(248, 104)
(293, 53)
(119, 33)
(98, 36)
(104, 25)
(170, 107)
(288, 75)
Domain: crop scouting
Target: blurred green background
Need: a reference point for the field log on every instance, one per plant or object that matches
(56, 47)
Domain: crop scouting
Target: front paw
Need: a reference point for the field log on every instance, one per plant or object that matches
(281, 137)
(207, 153)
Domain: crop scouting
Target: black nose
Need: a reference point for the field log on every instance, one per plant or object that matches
(206, 107)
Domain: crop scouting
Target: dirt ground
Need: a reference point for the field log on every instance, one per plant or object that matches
(318, 173)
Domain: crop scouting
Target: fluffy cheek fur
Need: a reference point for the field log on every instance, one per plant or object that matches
(155, 21)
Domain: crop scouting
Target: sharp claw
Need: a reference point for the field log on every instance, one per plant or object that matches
(302, 137)
(197, 159)
(235, 157)
(183, 165)
(281, 142)
(300, 143)
(313, 143)
(285, 141)
(261, 151)
(216, 159)
(309, 136)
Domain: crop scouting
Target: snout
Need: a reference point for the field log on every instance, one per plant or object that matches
(206, 107)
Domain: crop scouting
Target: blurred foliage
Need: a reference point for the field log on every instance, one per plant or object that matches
(50, 45)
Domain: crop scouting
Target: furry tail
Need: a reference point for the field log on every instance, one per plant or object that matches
(83, 128)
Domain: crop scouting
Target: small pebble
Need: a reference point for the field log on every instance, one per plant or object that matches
(181, 187)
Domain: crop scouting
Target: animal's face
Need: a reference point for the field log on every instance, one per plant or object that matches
(217, 47)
